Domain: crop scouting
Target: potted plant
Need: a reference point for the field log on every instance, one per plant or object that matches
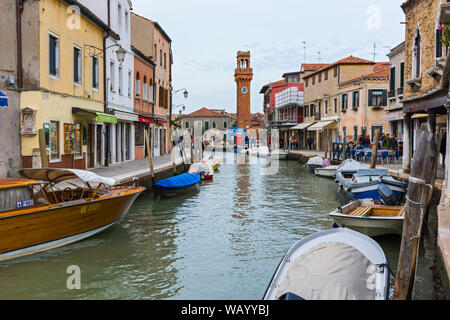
(445, 35)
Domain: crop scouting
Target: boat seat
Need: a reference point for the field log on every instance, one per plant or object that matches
(361, 211)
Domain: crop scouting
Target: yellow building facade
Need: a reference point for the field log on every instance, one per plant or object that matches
(67, 98)
(324, 102)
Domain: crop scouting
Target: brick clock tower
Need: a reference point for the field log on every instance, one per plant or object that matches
(243, 76)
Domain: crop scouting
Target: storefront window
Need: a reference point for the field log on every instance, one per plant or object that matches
(78, 140)
(139, 136)
(69, 138)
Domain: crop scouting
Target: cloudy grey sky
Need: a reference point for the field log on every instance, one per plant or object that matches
(207, 34)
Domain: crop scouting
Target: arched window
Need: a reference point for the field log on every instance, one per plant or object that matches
(151, 89)
(416, 57)
(138, 85)
(144, 89)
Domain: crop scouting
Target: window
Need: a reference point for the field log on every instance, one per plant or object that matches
(206, 125)
(54, 140)
(392, 79)
(119, 16)
(377, 98)
(160, 57)
(320, 77)
(335, 105)
(144, 89)
(139, 138)
(95, 73)
(335, 71)
(225, 125)
(156, 53)
(355, 103)
(120, 80)
(130, 82)
(344, 101)
(416, 57)
(355, 133)
(326, 107)
(326, 75)
(214, 125)
(165, 60)
(69, 138)
(138, 85)
(402, 74)
(113, 75)
(296, 79)
(76, 65)
(312, 110)
(306, 111)
(313, 80)
(187, 124)
(151, 94)
(54, 55)
(306, 82)
(438, 43)
(127, 22)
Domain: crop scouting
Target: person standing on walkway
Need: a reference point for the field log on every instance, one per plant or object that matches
(310, 142)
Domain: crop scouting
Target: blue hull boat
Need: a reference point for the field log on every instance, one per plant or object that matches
(359, 183)
(177, 184)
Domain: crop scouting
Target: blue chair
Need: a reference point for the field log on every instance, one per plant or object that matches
(384, 155)
(368, 155)
(360, 155)
(393, 157)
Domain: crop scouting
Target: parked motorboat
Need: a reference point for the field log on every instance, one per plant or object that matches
(203, 168)
(338, 264)
(370, 219)
(365, 184)
(176, 185)
(328, 172)
(50, 208)
(314, 163)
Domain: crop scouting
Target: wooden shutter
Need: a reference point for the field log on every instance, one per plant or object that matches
(385, 98)
(392, 85)
(52, 57)
(402, 74)
(438, 43)
(370, 99)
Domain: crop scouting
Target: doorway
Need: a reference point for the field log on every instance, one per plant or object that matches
(99, 145)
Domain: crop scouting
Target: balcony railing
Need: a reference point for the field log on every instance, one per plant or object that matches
(391, 94)
(400, 91)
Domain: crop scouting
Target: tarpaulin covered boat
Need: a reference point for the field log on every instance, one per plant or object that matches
(177, 184)
(338, 264)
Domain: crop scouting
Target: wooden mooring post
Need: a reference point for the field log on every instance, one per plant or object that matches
(420, 189)
(373, 160)
(149, 151)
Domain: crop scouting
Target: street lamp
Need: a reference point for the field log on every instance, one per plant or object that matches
(186, 95)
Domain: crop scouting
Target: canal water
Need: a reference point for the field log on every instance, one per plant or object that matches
(222, 242)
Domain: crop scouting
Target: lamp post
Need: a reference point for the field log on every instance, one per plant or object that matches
(186, 95)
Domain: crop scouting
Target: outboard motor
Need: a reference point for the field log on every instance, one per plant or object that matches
(387, 195)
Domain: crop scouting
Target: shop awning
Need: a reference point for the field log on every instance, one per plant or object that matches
(3, 100)
(321, 125)
(302, 126)
(125, 116)
(419, 116)
(146, 120)
(100, 117)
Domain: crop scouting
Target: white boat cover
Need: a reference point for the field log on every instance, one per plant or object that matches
(315, 161)
(203, 166)
(351, 165)
(54, 175)
(329, 271)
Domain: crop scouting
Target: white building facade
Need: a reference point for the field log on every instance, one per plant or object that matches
(119, 80)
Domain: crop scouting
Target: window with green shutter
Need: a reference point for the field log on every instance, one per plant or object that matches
(392, 79)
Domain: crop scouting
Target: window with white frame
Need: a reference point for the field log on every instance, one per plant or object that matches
(144, 89)
(77, 65)
(417, 55)
(130, 82)
(120, 80)
(112, 75)
(95, 75)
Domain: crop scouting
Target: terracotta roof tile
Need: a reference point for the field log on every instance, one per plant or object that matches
(347, 60)
(204, 112)
(314, 66)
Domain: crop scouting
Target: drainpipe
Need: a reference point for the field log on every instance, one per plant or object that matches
(19, 10)
(364, 108)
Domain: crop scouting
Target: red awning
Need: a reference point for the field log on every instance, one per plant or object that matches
(146, 120)
(162, 121)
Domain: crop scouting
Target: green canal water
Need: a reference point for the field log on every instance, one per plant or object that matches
(222, 242)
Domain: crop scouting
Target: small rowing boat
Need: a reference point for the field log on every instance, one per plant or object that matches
(215, 163)
(314, 163)
(338, 264)
(328, 172)
(203, 168)
(370, 219)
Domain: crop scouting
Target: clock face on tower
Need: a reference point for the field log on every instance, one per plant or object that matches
(244, 90)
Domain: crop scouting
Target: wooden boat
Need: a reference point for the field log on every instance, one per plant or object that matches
(51, 208)
(203, 168)
(328, 172)
(370, 219)
(338, 264)
(177, 185)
